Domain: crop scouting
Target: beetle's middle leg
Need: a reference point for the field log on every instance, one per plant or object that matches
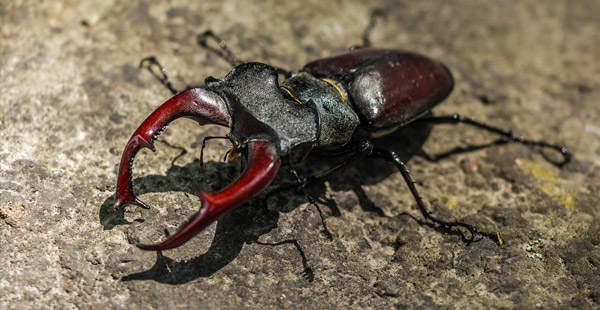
(301, 184)
(355, 153)
(224, 52)
(394, 158)
(455, 119)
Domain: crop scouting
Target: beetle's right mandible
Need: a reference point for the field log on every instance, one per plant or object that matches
(205, 107)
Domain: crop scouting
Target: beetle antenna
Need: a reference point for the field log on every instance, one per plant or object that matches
(225, 156)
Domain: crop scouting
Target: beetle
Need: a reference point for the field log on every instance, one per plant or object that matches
(331, 105)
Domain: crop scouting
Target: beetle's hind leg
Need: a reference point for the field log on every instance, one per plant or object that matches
(455, 119)
(395, 159)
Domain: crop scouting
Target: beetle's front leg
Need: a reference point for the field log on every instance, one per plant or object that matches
(395, 159)
(263, 163)
(150, 63)
(226, 53)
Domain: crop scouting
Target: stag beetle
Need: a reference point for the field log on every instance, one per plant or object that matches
(332, 103)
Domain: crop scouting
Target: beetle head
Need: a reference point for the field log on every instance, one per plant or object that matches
(205, 107)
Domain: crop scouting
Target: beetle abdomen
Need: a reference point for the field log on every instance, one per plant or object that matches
(387, 87)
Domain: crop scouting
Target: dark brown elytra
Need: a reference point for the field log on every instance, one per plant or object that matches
(388, 87)
(332, 106)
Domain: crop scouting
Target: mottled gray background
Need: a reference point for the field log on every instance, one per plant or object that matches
(71, 96)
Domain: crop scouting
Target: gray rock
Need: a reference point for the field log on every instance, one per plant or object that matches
(72, 95)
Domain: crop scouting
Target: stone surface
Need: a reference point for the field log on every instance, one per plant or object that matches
(72, 95)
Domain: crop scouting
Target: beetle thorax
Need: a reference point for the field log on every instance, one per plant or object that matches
(301, 115)
(337, 120)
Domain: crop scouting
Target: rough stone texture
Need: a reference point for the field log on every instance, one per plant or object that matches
(71, 96)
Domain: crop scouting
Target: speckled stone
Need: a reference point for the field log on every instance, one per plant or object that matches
(71, 96)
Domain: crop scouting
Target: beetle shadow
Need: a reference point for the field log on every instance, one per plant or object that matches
(249, 222)
(245, 225)
(406, 142)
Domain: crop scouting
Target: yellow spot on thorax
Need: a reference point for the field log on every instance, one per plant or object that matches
(291, 95)
(330, 82)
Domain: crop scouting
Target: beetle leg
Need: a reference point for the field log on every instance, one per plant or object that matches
(199, 104)
(366, 41)
(360, 151)
(357, 152)
(182, 149)
(307, 273)
(394, 158)
(459, 150)
(226, 53)
(262, 168)
(455, 119)
(162, 77)
(302, 184)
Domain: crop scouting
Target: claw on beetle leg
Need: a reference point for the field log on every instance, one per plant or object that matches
(201, 105)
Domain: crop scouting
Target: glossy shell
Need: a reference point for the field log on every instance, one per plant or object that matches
(387, 87)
